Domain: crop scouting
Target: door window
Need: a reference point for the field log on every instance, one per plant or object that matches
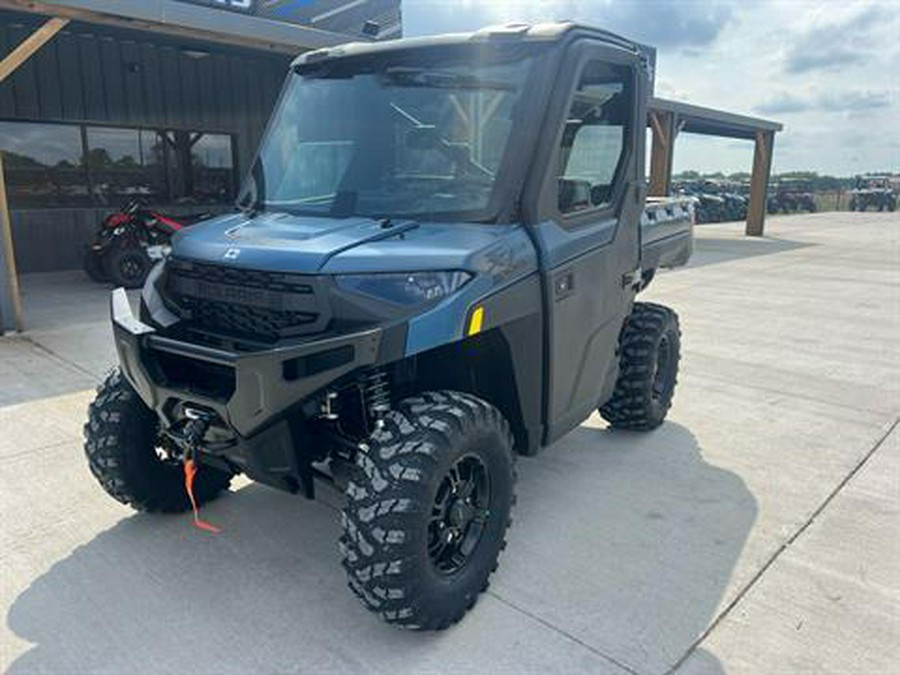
(595, 139)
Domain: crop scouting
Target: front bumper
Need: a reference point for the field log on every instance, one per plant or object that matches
(266, 384)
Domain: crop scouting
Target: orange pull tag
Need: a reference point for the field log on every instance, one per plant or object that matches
(190, 472)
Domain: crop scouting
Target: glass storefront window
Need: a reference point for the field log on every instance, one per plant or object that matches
(201, 167)
(43, 165)
(48, 166)
(124, 164)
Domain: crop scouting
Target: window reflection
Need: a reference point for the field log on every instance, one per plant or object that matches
(124, 164)
(43, 165)
(47, 165)
(201, 167)
(213, 167)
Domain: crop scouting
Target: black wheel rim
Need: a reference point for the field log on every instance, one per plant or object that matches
(663, 378)
(459, 515)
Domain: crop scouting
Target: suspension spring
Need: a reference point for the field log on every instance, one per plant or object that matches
(377, 394)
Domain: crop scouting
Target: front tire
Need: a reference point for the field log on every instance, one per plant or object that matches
(128, 267)
(649, 352)
(428, 509)
(121, 441)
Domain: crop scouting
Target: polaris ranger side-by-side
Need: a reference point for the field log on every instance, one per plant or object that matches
(434, 269)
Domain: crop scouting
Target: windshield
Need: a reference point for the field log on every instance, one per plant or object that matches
(392, 139)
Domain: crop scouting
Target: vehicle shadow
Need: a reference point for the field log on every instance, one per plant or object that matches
(711, 250)
(629, 541)
(625, 542)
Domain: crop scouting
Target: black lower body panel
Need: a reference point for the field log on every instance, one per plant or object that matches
(252, 394)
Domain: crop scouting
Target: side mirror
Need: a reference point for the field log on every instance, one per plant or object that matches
(574, 195)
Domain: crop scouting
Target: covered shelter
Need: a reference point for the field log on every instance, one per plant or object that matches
(667, 119)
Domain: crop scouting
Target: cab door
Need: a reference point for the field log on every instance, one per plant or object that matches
(586, 214)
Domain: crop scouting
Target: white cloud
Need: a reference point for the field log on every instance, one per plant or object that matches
(827, 69)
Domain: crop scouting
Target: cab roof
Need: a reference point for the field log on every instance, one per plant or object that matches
(505, 33)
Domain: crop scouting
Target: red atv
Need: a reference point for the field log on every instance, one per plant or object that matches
(129, 242)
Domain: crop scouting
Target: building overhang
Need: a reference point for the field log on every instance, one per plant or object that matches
(195, 20)
(695, 119)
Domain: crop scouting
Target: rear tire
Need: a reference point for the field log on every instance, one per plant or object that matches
(120, 441)
(649, 352)
(93, 267)
(418, 544)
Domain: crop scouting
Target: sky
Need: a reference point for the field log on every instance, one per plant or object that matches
(828, 70)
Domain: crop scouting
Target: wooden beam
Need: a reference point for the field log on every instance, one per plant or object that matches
(9, 253)
(29, 46)
(661, 152)
(657, 127)
(759, 183)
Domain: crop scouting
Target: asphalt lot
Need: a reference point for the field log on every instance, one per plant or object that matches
(757, 531)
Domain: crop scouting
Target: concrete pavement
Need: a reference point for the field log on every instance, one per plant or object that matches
(755, 532)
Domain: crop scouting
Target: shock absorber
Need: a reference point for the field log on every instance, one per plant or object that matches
(376, 395)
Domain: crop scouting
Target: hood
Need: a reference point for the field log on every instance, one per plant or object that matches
(308, 245)
(279, 241)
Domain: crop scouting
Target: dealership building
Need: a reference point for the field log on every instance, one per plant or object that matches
(162, 100)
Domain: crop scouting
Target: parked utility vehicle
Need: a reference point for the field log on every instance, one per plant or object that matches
(434, 270)
(874, 191)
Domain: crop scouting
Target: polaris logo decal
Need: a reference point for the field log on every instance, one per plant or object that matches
(232, 254)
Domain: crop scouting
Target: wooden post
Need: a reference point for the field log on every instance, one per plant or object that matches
(29, 46)
(759, 183)
(663, 125)
(24, 51)
(9, 254)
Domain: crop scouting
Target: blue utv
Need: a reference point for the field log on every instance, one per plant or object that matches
(432, 270)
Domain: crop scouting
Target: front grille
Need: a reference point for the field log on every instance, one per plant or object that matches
(246, 304)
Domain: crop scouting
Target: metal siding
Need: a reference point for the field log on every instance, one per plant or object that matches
(190, 98)
(49, 94)
(171, 86)
(70, 78)
(7, 101)
(92, 77)
(111, 66)
(258, 107)
(154, 111)
(24, 82)
(221, 89)
(206, 93)
(241, 94)
(133, 77)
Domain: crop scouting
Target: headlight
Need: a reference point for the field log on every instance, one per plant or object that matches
(412, 288)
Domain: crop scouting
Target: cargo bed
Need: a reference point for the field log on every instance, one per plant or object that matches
(667, 232)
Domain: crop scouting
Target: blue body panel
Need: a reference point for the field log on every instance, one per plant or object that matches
(559, 245)
(496, 255)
